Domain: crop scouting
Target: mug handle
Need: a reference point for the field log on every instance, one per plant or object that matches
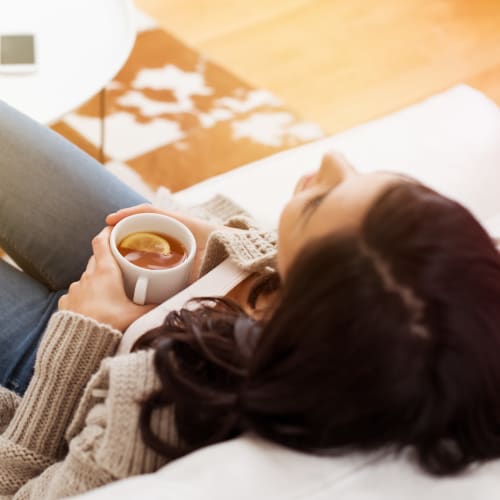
(141, 287)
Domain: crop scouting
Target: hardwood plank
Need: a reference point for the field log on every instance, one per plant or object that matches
(340, 63)
(198, 21)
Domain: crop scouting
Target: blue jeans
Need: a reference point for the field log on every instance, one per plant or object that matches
(53, 201)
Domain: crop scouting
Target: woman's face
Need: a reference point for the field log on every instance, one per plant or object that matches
(334, 198)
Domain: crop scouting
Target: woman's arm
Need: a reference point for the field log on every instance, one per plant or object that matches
(105, 438)
(94, 313)
(70, 352)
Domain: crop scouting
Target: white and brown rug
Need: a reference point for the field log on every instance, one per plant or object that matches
(174, 118)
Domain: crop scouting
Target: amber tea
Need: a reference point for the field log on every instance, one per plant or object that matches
(150, 250)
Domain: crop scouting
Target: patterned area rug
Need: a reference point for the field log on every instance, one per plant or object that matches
(173, 118)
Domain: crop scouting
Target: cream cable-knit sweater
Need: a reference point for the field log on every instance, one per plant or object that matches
(76, 428)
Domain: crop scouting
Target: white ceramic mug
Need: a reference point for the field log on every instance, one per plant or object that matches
(153, 286)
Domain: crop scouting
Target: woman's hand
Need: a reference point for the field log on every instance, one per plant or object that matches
(100, 293)
(201, 229)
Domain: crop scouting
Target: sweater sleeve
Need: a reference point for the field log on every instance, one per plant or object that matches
(71, 350)
(105, 439)
(9, 401)
(250, 248)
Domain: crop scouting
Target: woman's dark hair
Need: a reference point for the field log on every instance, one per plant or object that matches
(387, 335)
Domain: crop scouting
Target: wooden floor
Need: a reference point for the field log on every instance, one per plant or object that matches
(343, 62)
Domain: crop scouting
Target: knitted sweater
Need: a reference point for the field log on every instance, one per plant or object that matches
(77, 426)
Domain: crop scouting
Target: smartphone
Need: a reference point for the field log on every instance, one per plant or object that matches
(17, 53)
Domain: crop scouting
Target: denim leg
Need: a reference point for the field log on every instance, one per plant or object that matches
(53, 200)
(25, 307)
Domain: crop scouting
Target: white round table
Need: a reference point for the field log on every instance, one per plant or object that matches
(80, 45)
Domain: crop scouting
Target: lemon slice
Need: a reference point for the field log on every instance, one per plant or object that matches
(146, 242)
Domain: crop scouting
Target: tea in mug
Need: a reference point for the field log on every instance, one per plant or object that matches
(152, 250)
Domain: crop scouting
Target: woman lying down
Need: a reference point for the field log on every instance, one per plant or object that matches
(374, 323)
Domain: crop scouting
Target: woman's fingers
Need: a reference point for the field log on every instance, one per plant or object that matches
(90, 265)
(147, 208)
(62, 303)
(116, 217)
(102, 252)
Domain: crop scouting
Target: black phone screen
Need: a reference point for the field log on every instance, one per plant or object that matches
(17, 49)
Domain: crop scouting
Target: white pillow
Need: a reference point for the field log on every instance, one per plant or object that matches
(451, 141)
